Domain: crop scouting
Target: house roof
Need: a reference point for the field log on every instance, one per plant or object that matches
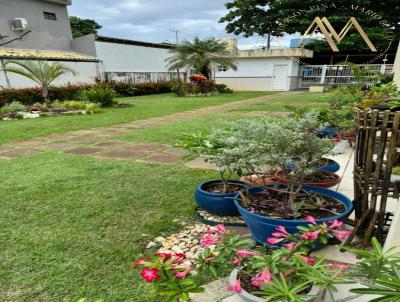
(51, 55)
(133, 42)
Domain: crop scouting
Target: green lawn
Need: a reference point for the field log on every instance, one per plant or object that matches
(310, 100)
(144, 107)
(71, 226)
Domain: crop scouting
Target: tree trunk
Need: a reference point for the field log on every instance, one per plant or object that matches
(205, 71)
(45, 93)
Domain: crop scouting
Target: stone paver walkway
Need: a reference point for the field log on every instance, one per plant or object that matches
(101, 142)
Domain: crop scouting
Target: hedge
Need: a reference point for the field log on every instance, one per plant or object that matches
(29, 96)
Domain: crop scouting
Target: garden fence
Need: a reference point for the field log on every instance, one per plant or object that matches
(332, 75)
(142, 77)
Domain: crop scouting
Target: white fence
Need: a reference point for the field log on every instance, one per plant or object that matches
(142, 77)
(333, 75)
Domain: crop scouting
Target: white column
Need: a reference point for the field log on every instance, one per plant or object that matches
(396, 68)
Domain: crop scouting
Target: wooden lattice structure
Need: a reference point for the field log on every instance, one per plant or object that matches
(376, 153)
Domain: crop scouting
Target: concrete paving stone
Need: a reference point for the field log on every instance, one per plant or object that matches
(163, 158)
(27, 143)
(84, 151)
(333, 253)
(347, 183)
(20, 153)
(149, 147)
(214, 291)
(199, 163)
(348, 193)
(177, 151)
(83, 132)
(62, 136)
(84, 139)
(114, 144)
(123, 154)
(61, 146)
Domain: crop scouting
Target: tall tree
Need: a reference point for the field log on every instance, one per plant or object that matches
(279, 17)
(82, 27)
(200, 54)
(42, 73)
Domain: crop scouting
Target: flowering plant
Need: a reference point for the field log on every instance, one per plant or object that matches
(197, 78)
(170, 274)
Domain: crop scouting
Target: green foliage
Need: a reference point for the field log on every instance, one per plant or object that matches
(82, 27)
(345, 96)
(13, 107)
(103, 96)
(222, 88)
(42, 73)
(396, 171)
(89, 107)
(260, 17)
(200, 54)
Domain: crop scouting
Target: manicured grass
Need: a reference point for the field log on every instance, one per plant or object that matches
(279, 104)
(169, 134)
(72, 226)
(144, 107)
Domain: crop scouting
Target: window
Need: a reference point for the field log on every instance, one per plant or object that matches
(222, 68)
(50, 16)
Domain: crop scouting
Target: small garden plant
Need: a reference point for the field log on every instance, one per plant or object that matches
(284, 274)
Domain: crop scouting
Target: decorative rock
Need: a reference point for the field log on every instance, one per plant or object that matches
(160, 239)
(151, 244)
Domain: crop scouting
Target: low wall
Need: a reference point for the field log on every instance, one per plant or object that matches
(86, 73)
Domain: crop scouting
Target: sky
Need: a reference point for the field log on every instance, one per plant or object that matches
(152, 20)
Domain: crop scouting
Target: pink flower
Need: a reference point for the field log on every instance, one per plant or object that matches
(183, 275)
(164, 256)
(311, 235)
(141, 262)
(208, 240)
(279, 235)
(236, 288)
(282, 230)
(221, 228)
(273, 241)
(178, 258)
(235, 261)
(342, 234)
(290, 246)
(311, 220)
(264, 278)
(310, 261)
(245, 253)
(336, 224)
(150, 274)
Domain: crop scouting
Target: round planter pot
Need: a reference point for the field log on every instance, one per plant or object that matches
(251, 298)
(279, 178)
(261, 227)
(332, 167)
(221, 204)
(254, 180)
(328, 132)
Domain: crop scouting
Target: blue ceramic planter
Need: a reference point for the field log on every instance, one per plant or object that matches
(261, 227)
(221, 204)
(334, 167)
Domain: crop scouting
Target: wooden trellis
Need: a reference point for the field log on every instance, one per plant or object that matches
(376, 153)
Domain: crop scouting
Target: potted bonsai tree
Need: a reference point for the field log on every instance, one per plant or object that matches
(265, 208)
(230, 156)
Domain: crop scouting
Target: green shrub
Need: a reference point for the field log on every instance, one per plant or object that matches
(103, 96)
(77, 105)
(29, 96)
(222, 88)
(13, 107)
(345, 95)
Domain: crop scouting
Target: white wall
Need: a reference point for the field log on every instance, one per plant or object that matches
(257, 74)
(130, 58)
(86, 74)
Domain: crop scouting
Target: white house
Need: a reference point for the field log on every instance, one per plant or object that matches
(264, 70)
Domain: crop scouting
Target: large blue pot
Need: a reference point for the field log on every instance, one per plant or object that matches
(334, 167)
(261, 227)
(221, 204)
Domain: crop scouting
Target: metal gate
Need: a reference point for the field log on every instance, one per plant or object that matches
(311, 75)
(143, 77)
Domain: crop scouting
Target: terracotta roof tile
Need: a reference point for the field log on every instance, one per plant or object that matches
(14, 53)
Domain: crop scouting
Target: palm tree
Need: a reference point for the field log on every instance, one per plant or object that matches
(43, 73)
(200, 54)
(362, 75)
